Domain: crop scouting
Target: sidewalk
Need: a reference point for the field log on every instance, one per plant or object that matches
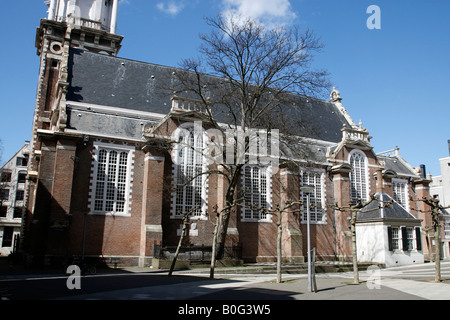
(256, 282)
(255, 288)
(423, 289)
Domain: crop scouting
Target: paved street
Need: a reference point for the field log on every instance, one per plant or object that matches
(401, 283)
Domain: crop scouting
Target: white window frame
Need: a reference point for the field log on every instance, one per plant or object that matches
(411, 238)
(397, 243)
(248, 215)
(198, 152)
(109, 147)
(396, 184)
(319, 179)
(446, 228)
(358, 184)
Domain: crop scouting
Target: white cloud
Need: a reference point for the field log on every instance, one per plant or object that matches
(171, 7)
(124, 2)
(269, 12)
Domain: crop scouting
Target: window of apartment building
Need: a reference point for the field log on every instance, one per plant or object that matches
(22, 161)
(256, 184)
(17, 213)
(313, 178)
(4, 194)
(189, 180)
(5, 176)
(3, 211)
(111, 183)
(404, 238)
(358, 176)
(400, 192)
(20, 195)
(7, 237)
(21, 177)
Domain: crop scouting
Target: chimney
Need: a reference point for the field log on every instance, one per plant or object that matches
(423, 172)
(379, 181)
(448, 147)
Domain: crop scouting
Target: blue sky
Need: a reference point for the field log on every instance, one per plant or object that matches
(395, 79)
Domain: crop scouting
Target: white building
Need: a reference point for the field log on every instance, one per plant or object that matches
(12, 191)
(387, 233)
(440, 188)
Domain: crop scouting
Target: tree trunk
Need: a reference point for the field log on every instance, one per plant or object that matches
(279, 255)
(214, 246)
(225, 214)
(354, 249)
(437, 248)
(180, 242)
(221, 234)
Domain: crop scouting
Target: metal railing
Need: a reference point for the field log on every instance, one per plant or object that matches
(184, 104)
(193, 253)
(85, 22)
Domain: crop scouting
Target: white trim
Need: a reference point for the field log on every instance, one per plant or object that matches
(115, 110)
(103, 136)
(157, 228)
(155, 158)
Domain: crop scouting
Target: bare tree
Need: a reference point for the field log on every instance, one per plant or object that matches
(186, 221)
(435, 210)
(219, 216)
(279, 211)
(252, 72)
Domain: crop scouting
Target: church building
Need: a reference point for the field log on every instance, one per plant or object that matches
(102, 183)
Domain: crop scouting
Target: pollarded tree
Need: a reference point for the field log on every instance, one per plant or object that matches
(435, 210)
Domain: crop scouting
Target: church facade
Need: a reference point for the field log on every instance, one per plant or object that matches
(101, 182)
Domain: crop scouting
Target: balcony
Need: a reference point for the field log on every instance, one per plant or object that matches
(355, 134)
(186, 105)
(83, 22)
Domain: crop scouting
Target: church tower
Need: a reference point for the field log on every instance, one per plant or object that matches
(89, 25)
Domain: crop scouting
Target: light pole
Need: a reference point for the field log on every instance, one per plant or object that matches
(308, 189)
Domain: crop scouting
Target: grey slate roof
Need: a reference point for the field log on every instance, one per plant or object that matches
(133, 85)
(392, 211)
(397, 165)
(111, 81)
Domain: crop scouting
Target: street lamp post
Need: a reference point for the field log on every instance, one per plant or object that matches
(308, 189)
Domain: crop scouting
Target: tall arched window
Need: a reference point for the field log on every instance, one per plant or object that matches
(257, 189)
(358, 176)
(189, 174)
(111, 179)
(313, 178)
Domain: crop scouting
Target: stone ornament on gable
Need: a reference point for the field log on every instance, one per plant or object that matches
(335, 95)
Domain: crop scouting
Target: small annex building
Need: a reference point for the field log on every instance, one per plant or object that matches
(388, 234)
